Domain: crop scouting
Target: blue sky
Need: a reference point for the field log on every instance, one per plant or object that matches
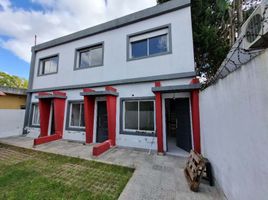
(26, 5)
(10, 62)
(21, 20)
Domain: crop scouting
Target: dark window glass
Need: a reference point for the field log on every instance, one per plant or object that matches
(139, 116)
(82, 121)
(158, 44)
(96, 56)
(147, 115)
(77, 115)
(84, 59)
(90, 57)
(139, 48)
(36, 115)
(131, 115)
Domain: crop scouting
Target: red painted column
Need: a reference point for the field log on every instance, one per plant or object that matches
(111, 115)
(44, 110)
(59, 110)
(195, 117)
(89, 104)
(159, 122)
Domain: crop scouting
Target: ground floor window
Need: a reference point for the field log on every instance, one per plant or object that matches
(138, 116)
(75, 116)
(35, 115)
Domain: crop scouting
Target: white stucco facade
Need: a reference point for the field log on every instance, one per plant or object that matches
(234, 127)
(116, 66)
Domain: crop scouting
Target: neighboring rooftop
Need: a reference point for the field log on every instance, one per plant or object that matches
(9, 90)
(117, 23)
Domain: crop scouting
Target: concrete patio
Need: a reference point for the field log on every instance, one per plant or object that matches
(155, 177)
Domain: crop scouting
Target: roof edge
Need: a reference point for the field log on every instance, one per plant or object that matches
(12, 90)
(118, 82)
(117, 23)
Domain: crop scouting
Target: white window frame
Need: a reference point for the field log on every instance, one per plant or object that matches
(80, 112)
(138, 130)
(34, 107)
(147, 36)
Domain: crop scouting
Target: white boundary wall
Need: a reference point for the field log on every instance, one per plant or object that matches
(11, 122)
(234, 130)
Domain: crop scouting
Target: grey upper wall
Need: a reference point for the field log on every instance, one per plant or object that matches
(117, 23)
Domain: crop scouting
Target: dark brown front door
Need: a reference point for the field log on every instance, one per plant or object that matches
(183, 124)
(102, 123)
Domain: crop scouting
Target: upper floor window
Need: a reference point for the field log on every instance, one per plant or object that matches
(149, 43)
(89, 57)
(48, 65)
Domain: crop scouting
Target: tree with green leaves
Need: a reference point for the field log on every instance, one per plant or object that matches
(216, 24)
(209, 33)
(12, 81)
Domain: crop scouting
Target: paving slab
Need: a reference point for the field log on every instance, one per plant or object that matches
(155, 177)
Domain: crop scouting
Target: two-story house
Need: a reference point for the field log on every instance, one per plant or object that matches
(130, 80)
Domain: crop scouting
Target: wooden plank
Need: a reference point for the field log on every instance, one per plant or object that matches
(192, 184)
(196, 157)
(192, 164)
(191, 173)
(194, 169)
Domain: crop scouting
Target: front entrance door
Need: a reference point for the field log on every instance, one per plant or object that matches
(184, 139)
(102, 123)
(178, 124)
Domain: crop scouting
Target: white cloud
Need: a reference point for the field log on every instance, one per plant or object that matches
(59, 17)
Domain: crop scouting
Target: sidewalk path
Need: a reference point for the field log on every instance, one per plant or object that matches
(155, 178)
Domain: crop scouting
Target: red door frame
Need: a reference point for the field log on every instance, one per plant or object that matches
(89, 102)
(195, 118)
(58, 99)
(111, 115)
(44, 110)
(159, 121)
(89, 106)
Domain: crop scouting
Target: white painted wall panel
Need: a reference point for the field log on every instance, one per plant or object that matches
(74, 135)
(11, 122)
(33, 132)
(116, 65)
(234, 130)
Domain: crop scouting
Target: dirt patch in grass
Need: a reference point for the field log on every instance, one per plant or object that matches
(28, 174)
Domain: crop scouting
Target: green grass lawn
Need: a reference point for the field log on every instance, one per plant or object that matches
(27, 174)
